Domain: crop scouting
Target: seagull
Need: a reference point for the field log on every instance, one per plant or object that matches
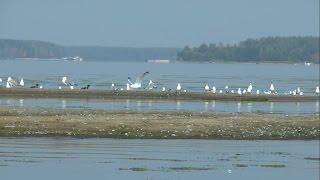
(67, 82)
(113, 86)
(214, 89)
(227, 89)
(137, 83)
(11, 83)
(317, 90)
(21, 82)
(249, 88)
(239, 91)
(232, 91)
(163, 89)
(86, 87)
(0, 81)
(244, 91)
(258, 92)
(272, 88)
(298, 90)
(206, 87)
(179, 87)
(151, 85)
(128, 86)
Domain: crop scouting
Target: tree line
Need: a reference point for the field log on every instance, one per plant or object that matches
(275, 49)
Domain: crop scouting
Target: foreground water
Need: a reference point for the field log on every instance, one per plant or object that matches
(66, 158)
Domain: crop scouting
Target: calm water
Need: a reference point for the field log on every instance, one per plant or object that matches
(66, 158)
(192, 76)
(168, 105)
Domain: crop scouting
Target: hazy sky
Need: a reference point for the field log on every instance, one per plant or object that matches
(156, 23)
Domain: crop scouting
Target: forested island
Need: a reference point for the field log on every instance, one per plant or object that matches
(269, 49)
(20, 49)
(273, 49)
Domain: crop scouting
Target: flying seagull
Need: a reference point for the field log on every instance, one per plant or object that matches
(138, 83)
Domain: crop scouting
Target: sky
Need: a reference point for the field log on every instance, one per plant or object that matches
(155, 23)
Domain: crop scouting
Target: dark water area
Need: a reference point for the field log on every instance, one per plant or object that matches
(68, 158)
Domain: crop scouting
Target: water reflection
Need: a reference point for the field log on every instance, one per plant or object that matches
(162, 105)
(238, 106)
(271, 107)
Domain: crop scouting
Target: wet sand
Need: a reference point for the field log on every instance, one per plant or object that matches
(143, 94)
(24, 121)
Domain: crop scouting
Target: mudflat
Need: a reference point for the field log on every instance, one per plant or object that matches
(20, 92)
(28, 121)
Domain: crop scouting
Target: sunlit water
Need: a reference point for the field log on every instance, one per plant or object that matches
(66, 158)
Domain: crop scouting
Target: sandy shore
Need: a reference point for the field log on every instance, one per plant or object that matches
(21, 121)
(94, 93)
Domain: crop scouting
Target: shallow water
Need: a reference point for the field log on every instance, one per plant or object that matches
(168, 105)
(67, 158)
(192, 76)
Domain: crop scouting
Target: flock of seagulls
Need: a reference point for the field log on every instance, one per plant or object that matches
(137, 84)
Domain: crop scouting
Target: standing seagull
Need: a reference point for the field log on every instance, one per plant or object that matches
(249, 88)
(138, 83)
(317, 90)
(67, 82)
(239, 91)
(206, 88)
(21, 82)
(214, 89)
(272, 89)
(179, 87)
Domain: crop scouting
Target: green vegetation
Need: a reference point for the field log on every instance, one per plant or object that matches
(275, 49)
(12, 49)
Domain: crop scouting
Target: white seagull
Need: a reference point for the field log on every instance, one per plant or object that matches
(179, 87)
(249, 88)
(21, 82)
(239, 91)
(151, 85)
(11, 82)
(138, 83)
(214, 89)
(206, 87)
(227, 89)
(67, 82)
(317, 90)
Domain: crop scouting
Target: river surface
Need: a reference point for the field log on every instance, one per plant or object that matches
(68, 158)
(192, 76)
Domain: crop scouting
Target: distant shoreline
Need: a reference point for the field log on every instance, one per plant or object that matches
(85, 123)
